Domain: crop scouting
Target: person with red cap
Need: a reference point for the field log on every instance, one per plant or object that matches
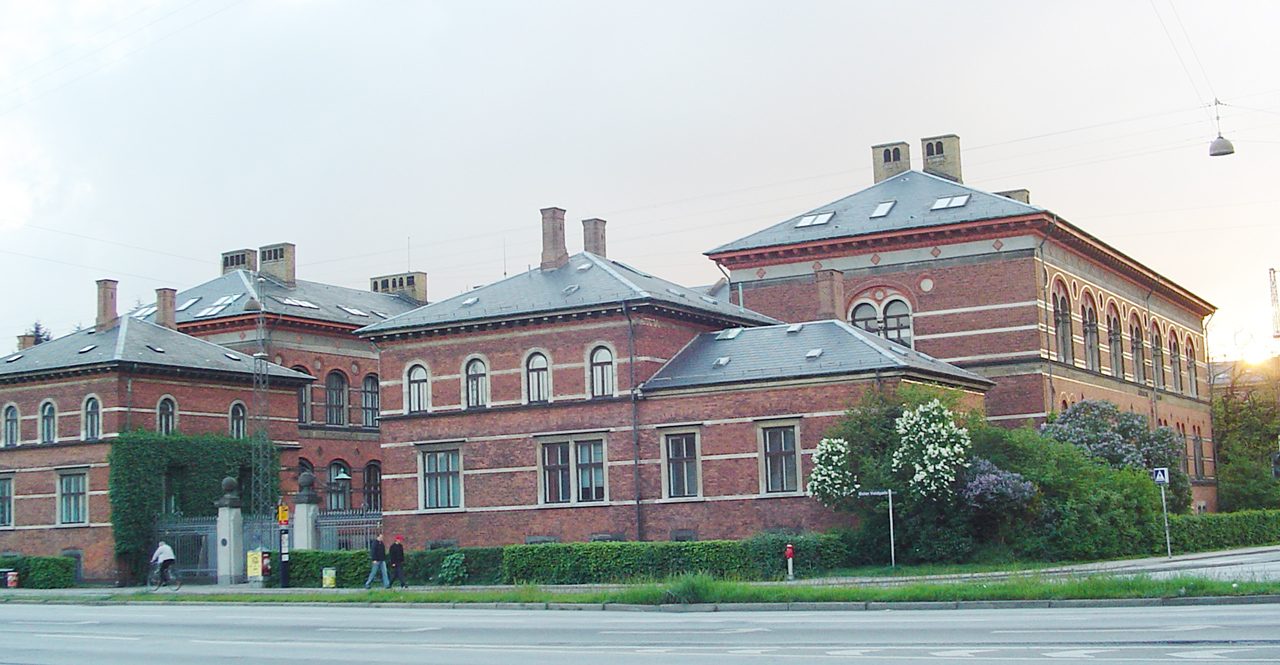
(395, 561)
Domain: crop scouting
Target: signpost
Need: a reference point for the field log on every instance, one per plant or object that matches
(1161, 477)
(282, 518)
(893, 556)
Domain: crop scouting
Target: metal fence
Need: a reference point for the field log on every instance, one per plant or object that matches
(194, 541)
(346, 529)
(261, 532)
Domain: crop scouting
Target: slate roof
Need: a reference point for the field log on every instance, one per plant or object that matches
(202, 303)
(914, 194)
(587, 281)
(783, 352)
(133, 342)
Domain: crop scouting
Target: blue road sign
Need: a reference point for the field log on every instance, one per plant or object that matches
(1160, 475)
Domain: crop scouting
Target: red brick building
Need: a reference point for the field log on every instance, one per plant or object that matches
(588, 400)
(993, 284)
(64, 401)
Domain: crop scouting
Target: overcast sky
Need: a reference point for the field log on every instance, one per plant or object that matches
(141, 139)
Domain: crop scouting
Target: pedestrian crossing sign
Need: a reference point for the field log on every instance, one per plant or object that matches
(1160, 475)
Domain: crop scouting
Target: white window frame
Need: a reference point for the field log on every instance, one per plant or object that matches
(244, 420)
(485, 389)
(611, 381)
(762, 426)
(173, 426)
(417, 394)
(880, 322)
(574, 468)
(526, 377)
(370, 401)
(49, 433)
(696, 433)
(7, 520)
(10, 430)
(86, 419)
(435, 448)
(63, 476)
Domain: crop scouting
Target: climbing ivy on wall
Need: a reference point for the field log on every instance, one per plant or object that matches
(186, 471)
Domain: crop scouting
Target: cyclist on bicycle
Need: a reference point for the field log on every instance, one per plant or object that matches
(165, 558)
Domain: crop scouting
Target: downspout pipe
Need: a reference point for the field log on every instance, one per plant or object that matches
(635, 419)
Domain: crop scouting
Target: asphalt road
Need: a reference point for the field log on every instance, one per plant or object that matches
(224, 633)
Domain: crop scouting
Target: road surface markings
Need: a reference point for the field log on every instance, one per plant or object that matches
(960, 653)
(377, 630)
(1136, 629)
(1207, 654)
(1078, 653)
(86, 637)
(55, 623)
(721, 631)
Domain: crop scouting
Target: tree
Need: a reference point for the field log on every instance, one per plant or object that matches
(40, 332)
(932, 451)
(1124, 440)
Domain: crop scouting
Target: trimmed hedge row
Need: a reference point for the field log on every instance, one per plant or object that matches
(1220, 531)
(483, 565)
(42, 572)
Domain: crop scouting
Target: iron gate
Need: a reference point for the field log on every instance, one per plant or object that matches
(346, 529)
(194, 541)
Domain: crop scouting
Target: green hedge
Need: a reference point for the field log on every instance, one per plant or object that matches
(483, 564)
(1218, 531)
(42, 572)
(306, 567)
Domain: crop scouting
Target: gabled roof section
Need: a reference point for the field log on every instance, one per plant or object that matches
(798, 351)
(136, 343)
(586, 282)
(226, 296)
(915, 198)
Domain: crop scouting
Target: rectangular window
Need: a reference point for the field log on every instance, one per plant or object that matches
(73, 498)
(780, 459)
(442, 479)
(682, 464)
(6, 502)
(564, 461)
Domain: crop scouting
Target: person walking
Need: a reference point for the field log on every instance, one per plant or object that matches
(378, 561)
(395, 561)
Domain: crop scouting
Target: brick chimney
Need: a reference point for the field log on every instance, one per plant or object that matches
(942, 156)
(411, 285)
(26, 341)
(239, 259)
(554, 254)
(165, 308)
(279, 261)
(890, 159)
(107, 316)
(593, 236)
(1020, 195)
(830, 294)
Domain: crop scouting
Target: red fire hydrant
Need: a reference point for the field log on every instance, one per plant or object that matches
(791, 556)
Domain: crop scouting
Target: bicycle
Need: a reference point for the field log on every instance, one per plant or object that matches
(154, 582)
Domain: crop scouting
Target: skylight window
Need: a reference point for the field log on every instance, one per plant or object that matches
(13, 358)
(795, 327)
(88, 348)
(584, 267)
(300, 303)
(211, 310)
(157, 349)
(145, 312)
(235, 358)
(882, 209)
(950, 202)
(720, 362)
(814, 220)
(710, 300)
(226, 300)
(572, 288)
(470, 301)
(183, 307)
(378, 314)
(676, 293)
(351, 310)
(813, 354)
(729, 334)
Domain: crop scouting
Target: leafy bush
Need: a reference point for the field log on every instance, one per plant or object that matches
(814, 553)
(1208, 532)
(454, 569)
(1244, 484)
(306, 567)
(42, 572)
(483, 565)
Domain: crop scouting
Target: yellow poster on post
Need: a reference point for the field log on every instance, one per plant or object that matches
(254, 565)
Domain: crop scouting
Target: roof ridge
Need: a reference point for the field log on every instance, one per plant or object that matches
(122, 332)
(604, 263)
(872, 340)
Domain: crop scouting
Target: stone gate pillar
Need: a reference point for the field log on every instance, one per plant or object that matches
(306, 504)
(231, 561)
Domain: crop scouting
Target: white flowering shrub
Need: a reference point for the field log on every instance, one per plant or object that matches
(833, 480)
(933, 450)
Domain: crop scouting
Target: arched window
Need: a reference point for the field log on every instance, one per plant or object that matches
(304, 397)
(335, 398)
(537, 379)
(1136, 347)
(928, 149)
(937, 148)
(1089, 322)
(339, 486)
(897, 154)
(888, 157)
(1175, 362)
(1115, 343)
(10, 426)
(897, 322)
(92, 419)
(373, 487)
(477, 388)
(1062, 324)
(419, 389)
(305, 466)
(1157, 357)
(602, 378)
(239, 421)
(866, 317)
(370, 401)
(1193, 380)
(48, 423)
(166, 416)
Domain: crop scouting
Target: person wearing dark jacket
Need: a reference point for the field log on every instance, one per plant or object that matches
(378, 559)
(395, 561)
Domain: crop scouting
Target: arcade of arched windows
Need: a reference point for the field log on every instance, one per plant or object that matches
(1138, 348)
